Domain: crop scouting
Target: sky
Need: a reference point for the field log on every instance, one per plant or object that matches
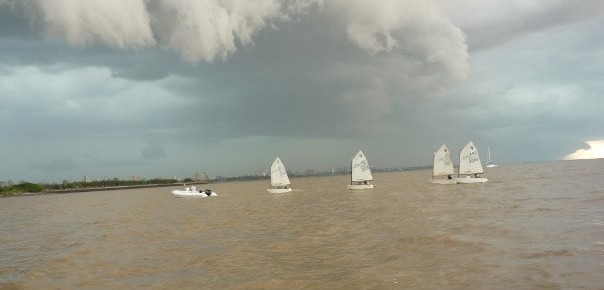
(158, 88)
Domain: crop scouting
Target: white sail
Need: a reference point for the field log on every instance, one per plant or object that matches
(443, 164)
(491, 164)
(360, 168)
(469, 161)
(278, 174)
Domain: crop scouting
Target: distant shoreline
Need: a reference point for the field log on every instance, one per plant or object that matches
(222, 180)
(108, 188)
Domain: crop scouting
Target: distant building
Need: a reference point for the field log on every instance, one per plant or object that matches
(86, 179)
(136, 178)
(200, 176)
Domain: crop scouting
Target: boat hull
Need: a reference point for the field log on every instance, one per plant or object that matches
(360, 186)
(279, 190)
(188, 193)
(468, 179)
(491, 165)
(443, 181)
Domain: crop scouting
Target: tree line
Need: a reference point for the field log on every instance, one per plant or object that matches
(29, 187)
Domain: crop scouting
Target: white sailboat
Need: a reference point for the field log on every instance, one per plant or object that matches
(443, 167)
(470, 165)
(279, 180)
(491, 164)
(361, 173)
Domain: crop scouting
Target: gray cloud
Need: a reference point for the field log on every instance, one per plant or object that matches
(115, 23)
(56, 164)
(312, 81)
(205, 30)
(415, 28)
(154, 151)
(197, 30)
(494, 22)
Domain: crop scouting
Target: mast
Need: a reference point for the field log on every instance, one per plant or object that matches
(459, 166)
(351, 165)
(433, 163)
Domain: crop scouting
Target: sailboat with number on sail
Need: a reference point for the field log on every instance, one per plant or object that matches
(279, 180)
(443, 167)
(361, 173)
(469, 165)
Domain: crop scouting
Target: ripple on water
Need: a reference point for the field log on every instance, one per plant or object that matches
(531, 228)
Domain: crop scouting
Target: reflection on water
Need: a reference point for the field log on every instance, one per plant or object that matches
(532, 226)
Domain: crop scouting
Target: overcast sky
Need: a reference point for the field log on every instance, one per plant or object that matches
(113, 88)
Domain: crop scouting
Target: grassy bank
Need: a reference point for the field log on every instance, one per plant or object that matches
(28, 188)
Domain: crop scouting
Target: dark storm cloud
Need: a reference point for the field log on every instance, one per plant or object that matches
(299, 77)
(15, 25)
(306, 80)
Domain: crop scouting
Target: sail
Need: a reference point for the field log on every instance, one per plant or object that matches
(443, 164)
(360, 168)
(278, 174)
(469, 161)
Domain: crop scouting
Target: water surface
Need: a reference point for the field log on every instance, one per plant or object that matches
(532, 226)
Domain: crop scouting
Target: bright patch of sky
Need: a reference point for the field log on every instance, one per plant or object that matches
(595, 150)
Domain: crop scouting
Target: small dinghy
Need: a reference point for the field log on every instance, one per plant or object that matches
(470, 167)
(193, 192)
(443, 167)
(279, 180)
(361, 173)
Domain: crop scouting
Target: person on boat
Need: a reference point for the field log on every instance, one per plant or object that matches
(208, 192)
(365, 182)
(477, 175)
(449, 176)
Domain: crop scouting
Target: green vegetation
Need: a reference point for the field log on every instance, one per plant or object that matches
(20, 188)
(28, 187)
(105, 183)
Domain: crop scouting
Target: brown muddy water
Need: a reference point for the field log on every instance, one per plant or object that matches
(532, 226)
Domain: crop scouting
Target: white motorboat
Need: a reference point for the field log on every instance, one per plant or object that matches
(193, 192)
